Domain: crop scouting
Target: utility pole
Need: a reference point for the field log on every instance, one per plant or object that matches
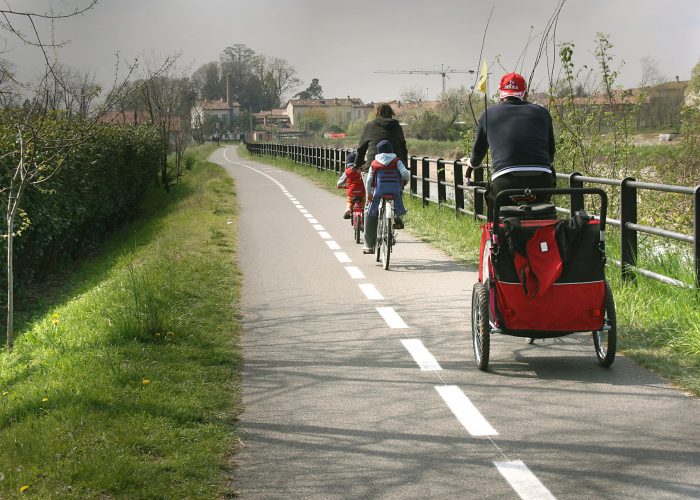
(229, 103)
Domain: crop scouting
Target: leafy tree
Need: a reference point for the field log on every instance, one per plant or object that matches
(256, 81)
(208, 83)
(313, 91)
(314, 120)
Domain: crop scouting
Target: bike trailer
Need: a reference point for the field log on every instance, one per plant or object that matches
(542, 292)
(548, 275)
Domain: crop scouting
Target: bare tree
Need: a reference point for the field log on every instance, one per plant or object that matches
(41, 141)
(651, 74)
(412, 95)
(455, 102)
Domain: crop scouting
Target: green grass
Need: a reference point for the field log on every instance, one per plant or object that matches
(124, 382)
(658, 324)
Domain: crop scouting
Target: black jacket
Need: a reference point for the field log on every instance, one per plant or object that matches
(519, 133)
(377, 130)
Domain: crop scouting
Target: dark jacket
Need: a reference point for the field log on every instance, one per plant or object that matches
(520, 135)
(377, 130)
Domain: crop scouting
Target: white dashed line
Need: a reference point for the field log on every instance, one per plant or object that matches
(465, 411)
(355, 272)
(332, 245)
(324, 235)
(421, 355)
(524, 482)
(370, 291)
(303, 211)
(391, 317)
(342, 257)
(312, 220)
(308, 216)
(319, 227)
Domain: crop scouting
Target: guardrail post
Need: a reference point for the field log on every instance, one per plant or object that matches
(425, 184)
(478, 195)
(441, 188)
(628, 237)
(696, 234)
(457, 182)
(413, 183)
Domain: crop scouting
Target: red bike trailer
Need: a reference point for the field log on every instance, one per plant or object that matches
(543, 277)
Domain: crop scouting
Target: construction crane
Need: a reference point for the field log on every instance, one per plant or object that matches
(442, 72)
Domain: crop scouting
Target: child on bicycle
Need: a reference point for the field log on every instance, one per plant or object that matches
(387, 175)
(351, 180)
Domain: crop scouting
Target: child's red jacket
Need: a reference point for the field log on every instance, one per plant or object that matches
(353, 183)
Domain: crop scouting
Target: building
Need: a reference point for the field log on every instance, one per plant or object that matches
(207, 114)
(274, 117)
(340, 111)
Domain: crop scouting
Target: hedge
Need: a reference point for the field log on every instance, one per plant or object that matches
(96, 189)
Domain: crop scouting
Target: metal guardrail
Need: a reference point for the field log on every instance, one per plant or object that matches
(422, 184)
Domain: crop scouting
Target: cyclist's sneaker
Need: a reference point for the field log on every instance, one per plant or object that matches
(347, 215)
(367, 250)
(398, 223)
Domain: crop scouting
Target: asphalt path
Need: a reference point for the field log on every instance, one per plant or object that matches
(361, 383)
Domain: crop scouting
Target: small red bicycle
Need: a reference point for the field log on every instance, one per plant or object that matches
(358, 218)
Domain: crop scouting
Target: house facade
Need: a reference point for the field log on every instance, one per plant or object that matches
(206, 114)
(340, 111)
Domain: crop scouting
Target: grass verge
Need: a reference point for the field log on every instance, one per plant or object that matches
(658, 324)
(123, 385)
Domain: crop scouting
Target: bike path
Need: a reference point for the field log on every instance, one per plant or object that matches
(336, 404)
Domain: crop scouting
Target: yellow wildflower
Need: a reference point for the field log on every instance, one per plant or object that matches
(145, 381)
(23, 488)
(44, 400)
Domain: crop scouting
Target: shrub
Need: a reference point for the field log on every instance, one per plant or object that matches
(95, 190)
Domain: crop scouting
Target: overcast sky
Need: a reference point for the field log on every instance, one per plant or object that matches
(343, 43)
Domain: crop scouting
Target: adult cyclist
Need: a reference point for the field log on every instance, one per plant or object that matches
(521, 137)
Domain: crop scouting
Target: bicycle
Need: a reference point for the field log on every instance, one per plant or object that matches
(385, 230)
(358, 218)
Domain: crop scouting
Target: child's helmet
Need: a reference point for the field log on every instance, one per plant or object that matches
(350, 158)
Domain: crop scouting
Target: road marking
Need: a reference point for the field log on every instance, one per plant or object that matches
(324, 235)
(332, 245)
(465, 411)
(312, 220)
(421, 355)
(371, 291)
(308, 216)
(523, 481)
(342, 257)
(391, 317)
(319, 227)
(355, 272)
(303, 211)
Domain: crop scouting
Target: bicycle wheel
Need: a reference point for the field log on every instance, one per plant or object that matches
(605, 340)
(481, 333)
(380, 229)
(358, 226)
(386, 243)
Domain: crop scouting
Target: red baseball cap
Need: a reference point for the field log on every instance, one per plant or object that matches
(513, 85)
